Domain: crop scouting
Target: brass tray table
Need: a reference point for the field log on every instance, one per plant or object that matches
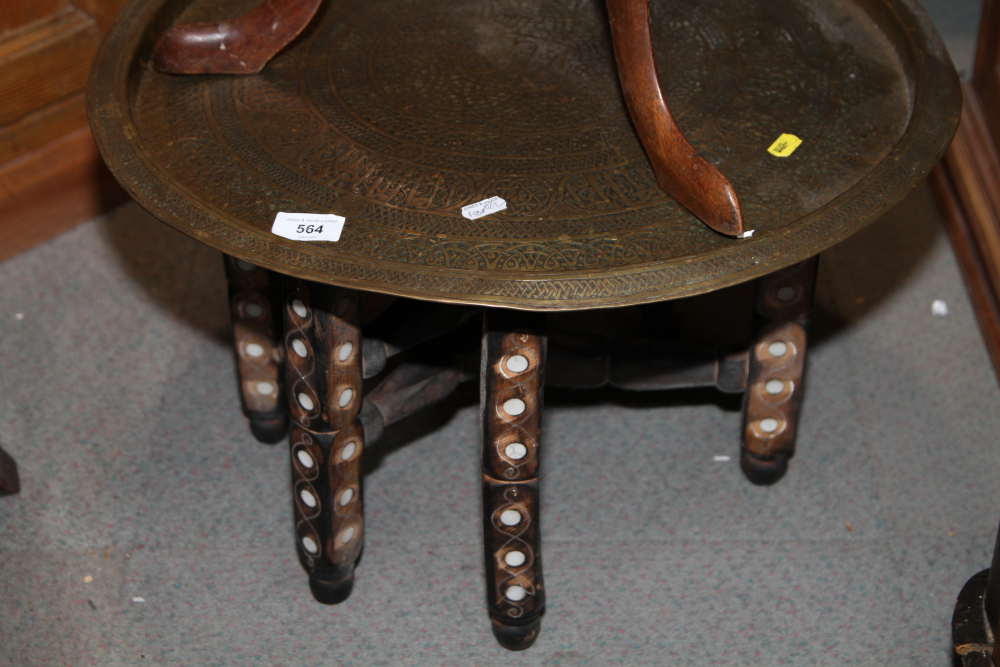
(396, 114)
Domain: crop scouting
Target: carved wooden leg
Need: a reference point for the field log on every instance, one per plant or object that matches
(9, 480)
(777, 360)
(409, 389)
(511, 382)
(254, 308)
(323, 342)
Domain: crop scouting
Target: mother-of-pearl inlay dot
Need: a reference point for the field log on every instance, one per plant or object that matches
(515, 450)
(342, 306)
(345, 398)
(300, 348)
(305, 401)
(264, 388)
(774, 387)
(777, 348)
(346, 497)
(510, 517)
(347, 535)
(299, 308)
(517, 364)
(515, 593)
(244, 265)
(786, 293)
(254, 349)
(307, 497)
(254, 310)
(348, 451)
(768, 425)
(305, 458)
(514, 406)
(344, 353)
(310, 545)
(514, 558)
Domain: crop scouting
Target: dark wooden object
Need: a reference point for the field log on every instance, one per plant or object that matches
(408, 323)
(408, 389)
(970, 628)
(256, 314)
(512, 376)
(976, 617)
(589, 361)
(10, 482)
(777, 362)
(237, 46)
(680, 171)
(323, 381)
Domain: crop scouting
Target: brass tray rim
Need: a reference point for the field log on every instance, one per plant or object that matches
(117, 138)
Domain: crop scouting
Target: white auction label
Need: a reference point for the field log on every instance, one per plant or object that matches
(308, 226)
(483, 208)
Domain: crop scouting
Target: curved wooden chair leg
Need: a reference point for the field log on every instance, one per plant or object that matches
(255, 311)
(323, 348)
(10, 482)
(777, 361)
(237, 46)
(680, 171)
(512, 379)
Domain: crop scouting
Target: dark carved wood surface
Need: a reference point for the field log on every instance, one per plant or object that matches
(396, 114)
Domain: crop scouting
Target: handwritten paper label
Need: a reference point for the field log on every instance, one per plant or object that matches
(308, 226)
(483, 208)
(784, 145)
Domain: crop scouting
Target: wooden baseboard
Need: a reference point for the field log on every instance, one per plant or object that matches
(51, 190)
(967, 186)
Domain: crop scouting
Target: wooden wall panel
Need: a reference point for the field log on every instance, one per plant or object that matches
(17, 13)
(45, 61)
(102, 11)
(46, 47)
(52, 189)
(39, 128)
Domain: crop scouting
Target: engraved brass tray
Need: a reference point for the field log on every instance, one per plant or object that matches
(396, 113)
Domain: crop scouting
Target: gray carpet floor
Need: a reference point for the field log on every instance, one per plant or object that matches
(152, 528)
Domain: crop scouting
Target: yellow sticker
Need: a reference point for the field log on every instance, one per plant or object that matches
(784, 145)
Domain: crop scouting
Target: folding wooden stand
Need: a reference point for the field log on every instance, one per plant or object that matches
(398, 115)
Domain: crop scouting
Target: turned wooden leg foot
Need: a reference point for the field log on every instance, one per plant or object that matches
(516, 637)
(512, 380)
(323, 344)
(10, 482)
(328, 591)
(776, 372)
(254, 307)
(269, 431)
